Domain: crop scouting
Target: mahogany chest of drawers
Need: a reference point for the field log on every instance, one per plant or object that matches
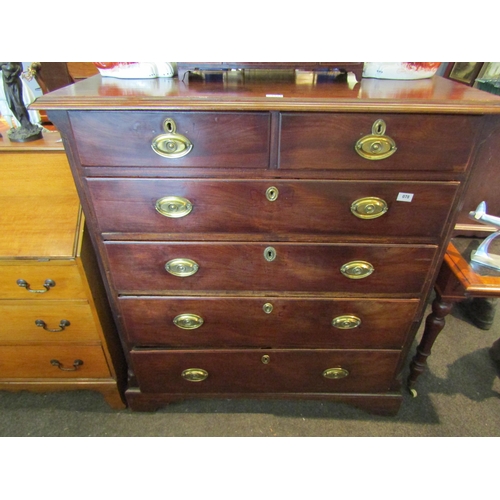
(57, 331)
(271, 240)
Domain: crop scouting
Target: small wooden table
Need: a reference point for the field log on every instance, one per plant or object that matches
(457, 280)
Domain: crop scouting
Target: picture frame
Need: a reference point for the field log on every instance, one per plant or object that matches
(463, 72)
(490, 70)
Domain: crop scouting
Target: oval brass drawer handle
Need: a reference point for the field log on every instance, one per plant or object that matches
(357, 269)
(369, 208)
(194, 374)
(76, 364)
(335, 373)
(173, 206)
(188, 321)
(48, 284)
(171, 144)
(346, 322)
(62, 325)
(376, 146)
(182, 267)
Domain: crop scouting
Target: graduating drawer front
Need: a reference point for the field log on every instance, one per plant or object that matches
(264, 370)
(361, 208)
(40, 281)
(167, 268)
(267, 322)
(40, 362)
(419, 142)
(189, 139)
(46, 321)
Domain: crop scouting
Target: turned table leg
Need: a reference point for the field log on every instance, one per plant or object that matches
(434, 323)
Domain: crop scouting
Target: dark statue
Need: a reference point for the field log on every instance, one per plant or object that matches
(13, 87)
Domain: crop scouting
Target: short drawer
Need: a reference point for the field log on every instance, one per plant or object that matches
(261, 370)
(46, 322)
(53, 362)
(141, 268)
(267, 322)
(365, 208)
(123, 138)
(423, 142)
(41, 281)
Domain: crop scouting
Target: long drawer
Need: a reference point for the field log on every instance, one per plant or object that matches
(46, 321)
(42, 361)
(169, 268)
(264, 370)
(422, 142)
(218, 139)
(39, 205)
(41, 281)
(330, 208)
(266, 322)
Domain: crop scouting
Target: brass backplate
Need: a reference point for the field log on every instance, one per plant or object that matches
(346, 322)
(335, 373)
(194, 374)
(369, 207)
(173, 206)
(182, 267)
(376, 146)
(357, 269)
(171, 144)
(188, 321)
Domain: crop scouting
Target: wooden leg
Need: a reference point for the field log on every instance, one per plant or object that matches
(434, 323)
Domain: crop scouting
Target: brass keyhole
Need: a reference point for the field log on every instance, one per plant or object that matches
(269, 254)
(272, 193)
(169, 126)
(379, 127)
(268, 308)
(266, 359)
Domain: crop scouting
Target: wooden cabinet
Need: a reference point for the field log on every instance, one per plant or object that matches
(57, 332)
(274, 240)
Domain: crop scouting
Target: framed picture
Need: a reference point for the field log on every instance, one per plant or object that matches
(463, 72)
(490, 70)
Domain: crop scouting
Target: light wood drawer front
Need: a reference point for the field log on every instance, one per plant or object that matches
(141, 267)
(246, 207)
(267, 322)
(218, 139)
(39, 205)
(424, 142)
(35, 362)
(68, 283)
(20, 317)
(233, 371)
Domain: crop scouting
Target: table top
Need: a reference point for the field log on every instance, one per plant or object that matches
(302, 91)
(51, 141)
(474, 278)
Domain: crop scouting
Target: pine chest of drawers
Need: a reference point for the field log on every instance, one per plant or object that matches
(57, 331)
(273, 240)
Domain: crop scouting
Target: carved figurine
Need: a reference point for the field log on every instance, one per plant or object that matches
(13, 88)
